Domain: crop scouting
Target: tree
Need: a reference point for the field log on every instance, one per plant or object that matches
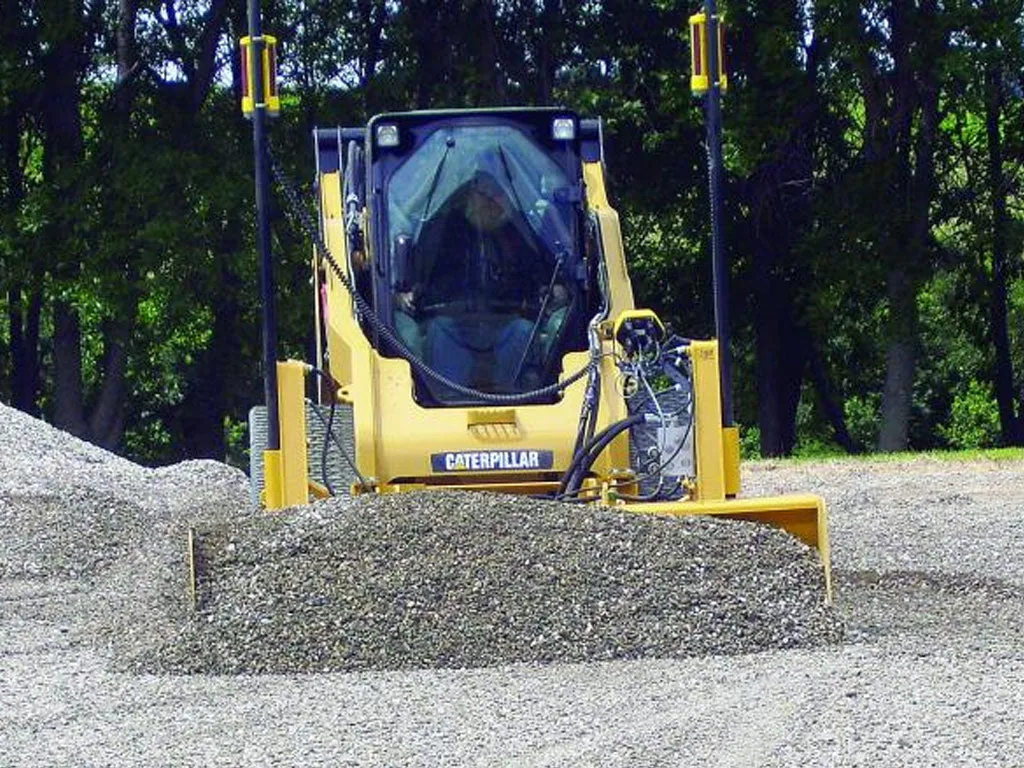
(1001, 49)
(23, 282)
(892, 54)
(873, 194)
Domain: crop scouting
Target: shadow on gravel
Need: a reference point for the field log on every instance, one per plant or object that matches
(955, 608)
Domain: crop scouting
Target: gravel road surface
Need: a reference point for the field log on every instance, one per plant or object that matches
(930, 582)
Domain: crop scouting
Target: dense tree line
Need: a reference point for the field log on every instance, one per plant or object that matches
(875, 205)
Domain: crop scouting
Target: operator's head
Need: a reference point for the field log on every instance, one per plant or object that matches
(558, 298)
(487, 204)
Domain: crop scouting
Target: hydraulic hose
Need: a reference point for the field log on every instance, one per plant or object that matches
(585, 457)
(588, 413)
(330, 437)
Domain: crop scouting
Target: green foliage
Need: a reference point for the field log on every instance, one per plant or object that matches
(237, 434)
(953, 350)
(1016, 319)
(150, 225)
(862, 413)
(816, 448)
(974, 419)
(813, 436)
(149, 441)
(750, 442)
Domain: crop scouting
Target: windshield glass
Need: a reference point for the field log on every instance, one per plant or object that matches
(483, 261)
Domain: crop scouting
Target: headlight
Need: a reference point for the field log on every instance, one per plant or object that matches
(387, 135)
(563, 129)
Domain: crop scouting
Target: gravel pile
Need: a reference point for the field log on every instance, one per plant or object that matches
(439, 579)
(71, 510)
(929, 579)
(105, 534)
(448, 579)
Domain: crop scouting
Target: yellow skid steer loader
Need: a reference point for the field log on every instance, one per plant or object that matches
(476, 329)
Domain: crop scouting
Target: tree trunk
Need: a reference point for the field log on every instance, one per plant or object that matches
(200, 417)
(373, 15)
(106, 420)
(24, 288)
(1010, 423)
(780, 359)
(491, 80)
(831, 405)
(551, 28)
(432, 50)
(63, 152)
(206, 53)
(768, 416)
(126, 57)
(25, 362)
(206, 403)
(68, 406)
(778, 219)
(897, 395)
(915, 104)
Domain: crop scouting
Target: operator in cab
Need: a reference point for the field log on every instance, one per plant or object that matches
(479, 271)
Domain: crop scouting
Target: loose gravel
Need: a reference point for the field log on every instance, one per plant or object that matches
(927, 562)
(106, 535)
(457, 579)
(435, 579)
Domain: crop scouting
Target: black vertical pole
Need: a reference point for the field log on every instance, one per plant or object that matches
(719, 266)
(266, 263)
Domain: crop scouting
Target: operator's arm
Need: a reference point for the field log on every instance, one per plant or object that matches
(406, 301)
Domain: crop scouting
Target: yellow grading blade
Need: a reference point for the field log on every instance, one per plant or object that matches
(802, 515)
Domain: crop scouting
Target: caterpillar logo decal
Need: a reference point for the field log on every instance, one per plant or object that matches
(490, 461)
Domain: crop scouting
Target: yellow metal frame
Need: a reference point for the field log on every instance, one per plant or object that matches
(395, 436)
(286, 470)
(636, 314)
(707, 420)
(717, 453)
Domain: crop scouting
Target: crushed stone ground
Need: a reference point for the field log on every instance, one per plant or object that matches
(457, 579)
(434, 579)
(930, 588)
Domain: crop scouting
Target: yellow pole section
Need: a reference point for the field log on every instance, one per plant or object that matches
(291, 399)
(593, 178)
(273, 491)
(707, 418)
(731, 446)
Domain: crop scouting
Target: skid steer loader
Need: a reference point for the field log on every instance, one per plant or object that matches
(476, 329)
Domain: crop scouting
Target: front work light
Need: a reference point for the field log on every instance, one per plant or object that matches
(387, 135)
(563, 129)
